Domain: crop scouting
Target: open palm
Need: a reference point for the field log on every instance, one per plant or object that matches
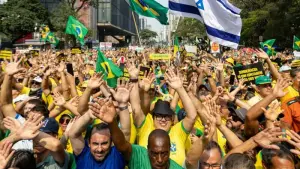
(104, 110)
(173, 80)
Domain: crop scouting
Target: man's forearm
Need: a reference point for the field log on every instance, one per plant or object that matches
(232, 139)
(81, 125)
(186, 100)
(125, 122)
(246, 146)
(273, 69)
(255, 111)
(84, 100)
(136, 105)
(6, 91)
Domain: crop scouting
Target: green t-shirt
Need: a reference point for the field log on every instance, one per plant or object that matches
(140, 159)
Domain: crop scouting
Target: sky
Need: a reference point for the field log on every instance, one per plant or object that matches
(155, 25)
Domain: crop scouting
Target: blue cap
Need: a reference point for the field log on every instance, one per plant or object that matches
(50, 126)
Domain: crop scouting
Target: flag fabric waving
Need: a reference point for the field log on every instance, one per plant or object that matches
(176, 51)
(221, 19)
(111, 71)
(296, 45)
(52, 39)
(76, 28)
(150, 8)
(267, 46)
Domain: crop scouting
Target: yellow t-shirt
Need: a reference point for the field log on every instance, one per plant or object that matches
(291, 94)
(132, 130)
(178, 136)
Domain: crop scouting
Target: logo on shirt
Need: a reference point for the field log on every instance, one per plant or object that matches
(173, 147)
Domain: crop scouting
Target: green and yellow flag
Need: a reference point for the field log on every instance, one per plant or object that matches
(44, 32)
(52, 39)
(176, 54)
(267, 46)
(111, 71)
(296, 45)
(76, 28)
(150, 8)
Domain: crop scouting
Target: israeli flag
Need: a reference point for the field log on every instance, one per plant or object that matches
(221, 19)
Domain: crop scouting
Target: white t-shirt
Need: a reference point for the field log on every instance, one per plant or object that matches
(22, 144)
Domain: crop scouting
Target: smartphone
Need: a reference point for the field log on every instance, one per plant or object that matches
(231, 81)
(70, 68)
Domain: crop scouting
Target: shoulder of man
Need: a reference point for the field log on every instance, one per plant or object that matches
(295, 100)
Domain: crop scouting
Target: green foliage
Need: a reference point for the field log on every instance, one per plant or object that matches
(18, 17)
(190, 28)
(147, 34)
(272, 19)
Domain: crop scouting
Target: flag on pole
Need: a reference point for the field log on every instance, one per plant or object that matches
(150, 8)
(76, 28)
(176, 51)
(44, 32)
(109, 69)
(296, 45)
(221, 19)
(267, 46)
(52, 39)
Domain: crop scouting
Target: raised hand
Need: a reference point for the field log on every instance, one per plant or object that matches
(146, 82)
(59, 100)
(11, 124)
(241, 85)
(268, 136)
(74, 101)
(95, 81)
(273, 112)
(14, 68)
(261, 54)
(121, 94)
(132, 70)
(104, 109)
(61, 67)
(31, 127)
(5, 154)
(219, 65)
(278, 90)
(69, 126)
(295, 141)
(173, 80)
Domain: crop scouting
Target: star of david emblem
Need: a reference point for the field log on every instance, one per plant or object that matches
(199, 4)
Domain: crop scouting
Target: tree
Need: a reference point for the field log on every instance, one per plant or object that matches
(18, 18)
(190, 28)
(147, 35)
(75, 7)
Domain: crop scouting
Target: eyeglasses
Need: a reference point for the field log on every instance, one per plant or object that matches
(160, 117)
(206, 165)
(62, 121)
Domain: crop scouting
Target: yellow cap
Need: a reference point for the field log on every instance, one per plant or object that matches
(230, 60)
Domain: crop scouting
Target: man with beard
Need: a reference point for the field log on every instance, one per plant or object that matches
(96, 152)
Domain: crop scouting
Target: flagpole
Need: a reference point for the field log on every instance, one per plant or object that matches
(136, 28)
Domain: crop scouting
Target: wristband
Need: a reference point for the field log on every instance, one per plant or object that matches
(209, 76)
(123, 108)
(134, 80)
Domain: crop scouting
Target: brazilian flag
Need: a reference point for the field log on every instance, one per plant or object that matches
(111, 71)
(267, 46)
(296, 45)
(76, 28)
(52, 39)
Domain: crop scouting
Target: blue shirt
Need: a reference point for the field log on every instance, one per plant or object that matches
(113, 160)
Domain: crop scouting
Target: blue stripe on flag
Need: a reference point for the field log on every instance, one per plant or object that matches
(225, 6)
(184, 8)
(222, 35)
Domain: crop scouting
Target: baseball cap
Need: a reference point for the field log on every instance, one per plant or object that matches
(50, 126)
(38, 79)
(162, 108)
(240, 113)
(262, 80)
(230, 60)
(284, 68)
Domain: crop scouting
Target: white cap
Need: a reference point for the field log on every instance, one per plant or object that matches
(20, 98)
(284, 68)
(38, 79)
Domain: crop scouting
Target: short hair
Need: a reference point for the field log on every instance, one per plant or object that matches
(22, 159)
(159, 133)
(238, 160)
(294, 72)
(268, 154)
(213, 145)
(41, 108)
(98, 127)
(36, 102)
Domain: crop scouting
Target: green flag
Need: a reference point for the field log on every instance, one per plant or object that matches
(296, 45)
(52, 39)
(267, 46)
(176, 51)
(110, 70)
(76, 28)
(150, 8)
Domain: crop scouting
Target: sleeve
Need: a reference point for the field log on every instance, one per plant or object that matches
(25, 90)
(139, 157)
(67, 159)
(83, 152)
(287, 114)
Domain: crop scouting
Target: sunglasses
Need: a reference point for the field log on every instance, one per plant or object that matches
(35, 83)
(62, 121)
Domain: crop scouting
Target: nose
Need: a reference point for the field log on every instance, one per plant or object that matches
(159, 158)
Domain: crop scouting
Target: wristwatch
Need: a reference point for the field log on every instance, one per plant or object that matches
(133, 80)
(123, 108)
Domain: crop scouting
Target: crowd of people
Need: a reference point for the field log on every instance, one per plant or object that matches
(192, 112)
